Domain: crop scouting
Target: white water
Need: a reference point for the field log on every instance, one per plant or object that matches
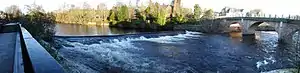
(269, 50)
(115, 53)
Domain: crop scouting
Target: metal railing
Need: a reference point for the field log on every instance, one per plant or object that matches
(292, 17)
(31, 57)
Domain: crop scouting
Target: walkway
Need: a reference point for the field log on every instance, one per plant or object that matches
(7, 51)
(21, 53)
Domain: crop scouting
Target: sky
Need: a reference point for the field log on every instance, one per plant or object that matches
(279, 7)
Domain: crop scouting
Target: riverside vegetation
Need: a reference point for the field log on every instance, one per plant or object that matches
(154, 16)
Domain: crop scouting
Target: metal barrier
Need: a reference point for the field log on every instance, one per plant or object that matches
(30, 56)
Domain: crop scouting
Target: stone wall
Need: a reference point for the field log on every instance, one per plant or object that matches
(207, 26)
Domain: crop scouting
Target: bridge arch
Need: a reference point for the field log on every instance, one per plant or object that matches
(235, 27)
(295, 38)
(235, 23)
(295, 31)
(295, 34)
(285, 28)
(261, 26)
(255, 25)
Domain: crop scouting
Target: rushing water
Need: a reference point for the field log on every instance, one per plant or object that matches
(179, 52)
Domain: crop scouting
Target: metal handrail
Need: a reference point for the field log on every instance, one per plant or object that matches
(264, 16)
(36, 59)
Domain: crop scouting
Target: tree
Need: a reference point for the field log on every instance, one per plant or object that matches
(148, 13)
(186, 11)
(40, 24)
(112, 17)
(83, 15)
(2, 15)
(122, 13)
(159, 14)
(180, 18)
(148, 9)
(102, 13)
(161, 17)
(208, 14)
(140, 15)
(181, 15)
(197, 12)
(13, 13)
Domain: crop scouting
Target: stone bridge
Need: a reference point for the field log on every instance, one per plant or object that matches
(284, 27)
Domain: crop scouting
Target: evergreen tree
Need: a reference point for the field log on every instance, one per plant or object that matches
(209, 14)
(197, 12)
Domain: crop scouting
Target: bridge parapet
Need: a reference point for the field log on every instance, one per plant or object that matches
(41, 61)
(291, 17)
(29, 55)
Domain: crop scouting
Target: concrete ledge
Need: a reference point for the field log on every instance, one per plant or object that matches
(37, 58)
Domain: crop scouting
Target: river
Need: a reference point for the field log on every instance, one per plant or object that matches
(164, 52)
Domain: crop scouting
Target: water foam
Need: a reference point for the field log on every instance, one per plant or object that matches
(161, 39)
(261, 63)
(270, 44)
(115, 52)
(270, 32)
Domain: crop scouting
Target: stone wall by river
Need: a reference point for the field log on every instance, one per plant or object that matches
(207, 26)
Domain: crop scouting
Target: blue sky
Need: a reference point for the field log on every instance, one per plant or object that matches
(268, 6)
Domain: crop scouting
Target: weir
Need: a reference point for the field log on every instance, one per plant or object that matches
(184, 52)
(21, 53)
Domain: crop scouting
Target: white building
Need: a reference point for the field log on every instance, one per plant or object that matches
(232, 12)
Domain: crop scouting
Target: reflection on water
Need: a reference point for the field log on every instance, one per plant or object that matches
(238, 36)
(235, 34)
(75, 30)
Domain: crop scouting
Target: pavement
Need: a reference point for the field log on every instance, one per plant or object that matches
(7, 51)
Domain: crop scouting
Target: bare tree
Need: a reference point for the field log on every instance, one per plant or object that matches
(13, 13)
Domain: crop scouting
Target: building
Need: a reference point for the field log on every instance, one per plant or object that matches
(231, 12)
